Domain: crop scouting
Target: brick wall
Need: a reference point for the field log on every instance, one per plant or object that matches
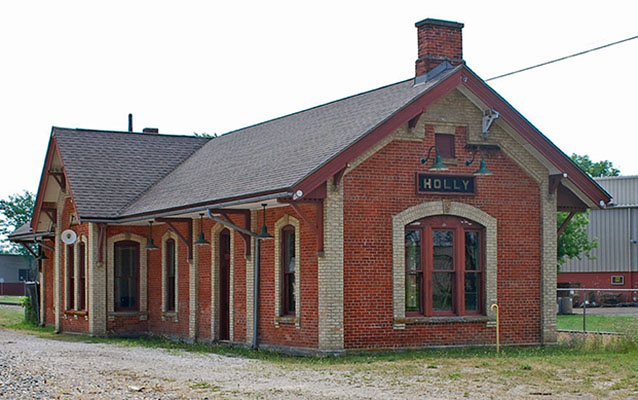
(383, 184)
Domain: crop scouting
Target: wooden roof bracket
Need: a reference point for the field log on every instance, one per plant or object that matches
(336, 179)
(188, 241)
(59, 178)
(101, 237)
(412, 122)
(226, 212)
(317, 225)
(29, 249)
(554, 181)
(562, 226)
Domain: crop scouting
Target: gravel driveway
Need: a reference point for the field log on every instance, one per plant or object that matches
(37, 368)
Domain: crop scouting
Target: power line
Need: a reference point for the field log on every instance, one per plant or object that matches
(562, 58)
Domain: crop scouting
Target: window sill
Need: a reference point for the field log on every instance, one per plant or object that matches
(169, 316)
(444, 320)
(287, 319)
(143, 315)
(74, 312)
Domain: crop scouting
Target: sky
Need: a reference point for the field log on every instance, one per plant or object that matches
(207, 66)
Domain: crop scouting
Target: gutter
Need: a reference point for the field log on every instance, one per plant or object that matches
(277, 195)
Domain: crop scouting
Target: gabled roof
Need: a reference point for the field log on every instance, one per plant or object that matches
(116, 175)
(277, 154)
(108, 170)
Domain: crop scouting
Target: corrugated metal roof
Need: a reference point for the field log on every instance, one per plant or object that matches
(624, 189)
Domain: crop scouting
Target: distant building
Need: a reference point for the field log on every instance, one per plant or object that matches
(615, 263)
(14, 271)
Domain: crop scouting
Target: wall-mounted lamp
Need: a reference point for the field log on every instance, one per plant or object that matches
(438, 163)
(264, 231)
(482, 169)
(150, 245)
(201, 241)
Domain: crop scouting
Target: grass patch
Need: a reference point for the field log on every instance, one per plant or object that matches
(17, 300)
(597, 323)
(11, 316)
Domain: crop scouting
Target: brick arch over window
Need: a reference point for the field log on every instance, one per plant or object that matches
(110, 258)
(216, 230)
(429, 209)
(284, 221)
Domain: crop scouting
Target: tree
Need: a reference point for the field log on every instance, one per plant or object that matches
(596, 169)
(15, 212)
(573, 242)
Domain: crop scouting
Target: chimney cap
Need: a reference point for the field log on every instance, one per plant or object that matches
(439, 22)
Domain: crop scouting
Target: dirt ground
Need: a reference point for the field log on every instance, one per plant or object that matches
(37, 368)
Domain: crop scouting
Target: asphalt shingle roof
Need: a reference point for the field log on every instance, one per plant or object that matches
(109, 170)
(277, 154)
(121, 174)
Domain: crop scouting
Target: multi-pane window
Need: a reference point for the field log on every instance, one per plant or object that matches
(82, 277)
(127, 276)
(170, 275)
(288, 257)
(443, 267)
(70, 271)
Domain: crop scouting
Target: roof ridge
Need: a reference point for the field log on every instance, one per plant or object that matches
(54, 128)
(314, 107)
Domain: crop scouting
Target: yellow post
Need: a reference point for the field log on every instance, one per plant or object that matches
(498, 347)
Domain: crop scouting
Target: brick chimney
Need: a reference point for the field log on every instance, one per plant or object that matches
(438, 41)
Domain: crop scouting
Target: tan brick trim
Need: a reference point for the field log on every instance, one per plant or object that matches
(167, 236)
(110, 264)
(549, 264)
(97, 286)
(250, 281)
(57, 269)
(215, 277)
(432, 208)
(279, 225)
(330, 273)
(76, 271)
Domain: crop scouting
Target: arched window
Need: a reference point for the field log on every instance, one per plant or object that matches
(82, 280)
(70, 273)
(170, 275)
(444, 264)
(288, 269)
(127, 267)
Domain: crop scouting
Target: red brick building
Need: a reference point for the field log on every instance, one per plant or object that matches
(382, 235)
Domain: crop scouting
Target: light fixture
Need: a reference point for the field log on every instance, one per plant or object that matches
(438, 163)
(150, 245)
(264, 231)
(201, 240)
(482, 169)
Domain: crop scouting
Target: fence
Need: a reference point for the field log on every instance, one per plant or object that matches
(597, 310)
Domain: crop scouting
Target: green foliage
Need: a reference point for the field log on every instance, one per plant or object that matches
(205, 135)
(596, 169)
(14, 212)
(573, 242)
(30, 315)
